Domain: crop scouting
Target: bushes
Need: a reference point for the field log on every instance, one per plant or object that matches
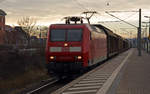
(15, 63)
(20, 69)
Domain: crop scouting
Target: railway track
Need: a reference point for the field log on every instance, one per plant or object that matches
(50, 85)
(54, 84)
(50, 82)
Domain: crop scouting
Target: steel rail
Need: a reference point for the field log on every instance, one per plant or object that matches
(41, 87)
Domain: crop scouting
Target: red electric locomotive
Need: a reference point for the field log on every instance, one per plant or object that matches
(74, 47)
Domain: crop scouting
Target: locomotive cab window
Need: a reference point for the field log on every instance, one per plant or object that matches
(66, 35)
(74, 35)
(57, 35)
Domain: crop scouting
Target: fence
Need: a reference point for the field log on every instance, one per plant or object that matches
(35, 47)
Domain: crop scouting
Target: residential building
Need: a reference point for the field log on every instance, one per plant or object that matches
(2, 26)
(15, 35)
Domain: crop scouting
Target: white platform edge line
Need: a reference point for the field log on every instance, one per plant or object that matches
(106, 86)
(79, 92)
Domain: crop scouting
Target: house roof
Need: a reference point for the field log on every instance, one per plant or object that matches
(2, 13)
(8, 28)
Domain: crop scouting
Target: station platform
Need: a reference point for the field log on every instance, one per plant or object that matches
(136, 76)
(126, 73)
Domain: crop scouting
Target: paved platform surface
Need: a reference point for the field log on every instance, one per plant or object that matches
(101, 80)
(127, 73)
(136, 76)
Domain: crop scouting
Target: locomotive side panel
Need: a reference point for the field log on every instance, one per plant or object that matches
(98, 46)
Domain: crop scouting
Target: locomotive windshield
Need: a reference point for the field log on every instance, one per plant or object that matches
(58, 35)
(66, 35)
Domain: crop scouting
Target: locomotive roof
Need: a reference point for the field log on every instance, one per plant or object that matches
(68, 24)
(106, 30)
(2, 13)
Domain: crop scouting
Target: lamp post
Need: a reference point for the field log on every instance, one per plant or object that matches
(146, 25)
(149, 23)
(139, 34)
(145, 35)
(149, 33)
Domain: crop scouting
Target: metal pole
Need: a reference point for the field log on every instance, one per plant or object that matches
(139, 34)
(146, 37)
(149, 26)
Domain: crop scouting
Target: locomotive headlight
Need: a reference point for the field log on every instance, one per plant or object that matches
(51, 57)
(79, 57)
(65, 44)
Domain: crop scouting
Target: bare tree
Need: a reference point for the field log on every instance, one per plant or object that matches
(28, 24)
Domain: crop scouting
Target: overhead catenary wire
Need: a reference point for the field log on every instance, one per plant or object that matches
(80, 5)
(122, 11)
(107, 23)
(121, 19)
(130, 16)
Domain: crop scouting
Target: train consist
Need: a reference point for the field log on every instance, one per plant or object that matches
(72, 48)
